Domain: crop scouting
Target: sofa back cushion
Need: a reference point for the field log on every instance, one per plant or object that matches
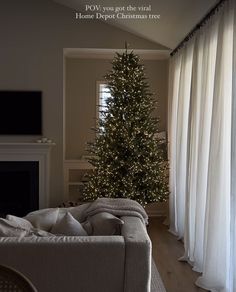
(76, 212)
(12, 229)
(104, 223)
(69, 226)
(20, 221)
(43, 219)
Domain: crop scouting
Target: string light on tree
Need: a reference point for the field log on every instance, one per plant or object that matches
(128, 157)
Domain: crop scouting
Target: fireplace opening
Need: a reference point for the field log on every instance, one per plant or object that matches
(19, 187)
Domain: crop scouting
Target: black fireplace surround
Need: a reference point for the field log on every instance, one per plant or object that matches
(19, 187)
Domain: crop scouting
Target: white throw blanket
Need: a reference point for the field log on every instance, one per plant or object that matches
(117, 207)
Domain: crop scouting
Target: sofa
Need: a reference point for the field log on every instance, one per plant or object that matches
(116, 263)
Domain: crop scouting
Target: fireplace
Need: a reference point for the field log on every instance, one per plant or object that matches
(19, 187)
(24, 177)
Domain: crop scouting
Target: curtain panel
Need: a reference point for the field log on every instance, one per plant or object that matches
(202, 136)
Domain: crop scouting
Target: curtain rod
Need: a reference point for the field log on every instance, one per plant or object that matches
(200, 24)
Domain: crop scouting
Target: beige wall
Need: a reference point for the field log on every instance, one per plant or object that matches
(81, 78)
(33, 34)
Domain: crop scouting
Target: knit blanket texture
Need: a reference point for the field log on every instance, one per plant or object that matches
(117, 207)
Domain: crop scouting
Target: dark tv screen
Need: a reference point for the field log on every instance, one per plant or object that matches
(20, 112)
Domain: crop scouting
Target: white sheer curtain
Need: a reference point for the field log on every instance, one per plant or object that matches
(202, 199)
(233, 175)
(179, 125)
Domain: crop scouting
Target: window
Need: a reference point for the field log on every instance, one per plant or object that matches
(103, 93)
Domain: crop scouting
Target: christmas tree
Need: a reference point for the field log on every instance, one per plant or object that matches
(128, 155)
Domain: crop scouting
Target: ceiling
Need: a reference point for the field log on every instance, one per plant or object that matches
(177, 17)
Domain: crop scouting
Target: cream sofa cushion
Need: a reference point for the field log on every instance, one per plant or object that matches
(20, 221)
(43, 219)
(69, 226)
(104, 223)
(19, 227)
(12, 229)
(76, 212)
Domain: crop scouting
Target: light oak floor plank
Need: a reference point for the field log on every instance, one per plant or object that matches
(177, 276)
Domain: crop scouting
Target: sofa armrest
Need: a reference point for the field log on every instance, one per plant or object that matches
(68, 263)
(138, 250)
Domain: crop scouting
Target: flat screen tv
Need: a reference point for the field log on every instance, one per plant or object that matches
(20, 113)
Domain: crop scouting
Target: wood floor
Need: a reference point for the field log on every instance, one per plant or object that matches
(177, 276)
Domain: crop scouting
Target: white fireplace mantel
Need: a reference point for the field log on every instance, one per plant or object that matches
(39, 152)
